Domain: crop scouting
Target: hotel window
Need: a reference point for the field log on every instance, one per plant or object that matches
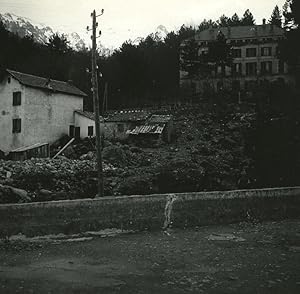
(266, 67)
(251, 68)
(250, 85)
(280, 66)
(236, 86)
(237, 69)
(236, 53)
(16, 126)
(16, 98)
(251, 52)
(266, 51)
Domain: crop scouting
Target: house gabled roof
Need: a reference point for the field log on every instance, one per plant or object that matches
(240, 32)
(159, 119)
(46, 84)
(88, 114)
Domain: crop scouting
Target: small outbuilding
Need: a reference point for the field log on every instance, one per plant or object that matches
(85, 125)
(117, 125)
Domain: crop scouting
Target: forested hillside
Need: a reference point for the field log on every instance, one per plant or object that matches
(136, 74)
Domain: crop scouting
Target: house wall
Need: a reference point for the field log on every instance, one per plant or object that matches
(259, 58)
(84, 122)
(8, 112)
(45, 116)
(117, 130)
(199, 84)
(48, 115)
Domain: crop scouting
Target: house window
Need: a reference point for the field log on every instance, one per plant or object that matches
(71, 131)
(90, 131)
(266, 67)
(237, 69)
(77, 133)
(236, 53)
(16, 127)
(266, 51)
(8, 80)
(251, 68)
(251, 52)
(16, 98)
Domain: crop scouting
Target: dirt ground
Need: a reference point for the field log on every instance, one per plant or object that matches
(239, 258)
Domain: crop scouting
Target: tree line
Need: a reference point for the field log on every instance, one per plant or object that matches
(135, 74)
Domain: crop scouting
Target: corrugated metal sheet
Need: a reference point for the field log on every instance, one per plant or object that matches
(147, 129)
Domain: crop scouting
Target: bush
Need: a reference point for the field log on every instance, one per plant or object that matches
(180, 176)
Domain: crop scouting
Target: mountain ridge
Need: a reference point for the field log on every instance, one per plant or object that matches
(41, 33)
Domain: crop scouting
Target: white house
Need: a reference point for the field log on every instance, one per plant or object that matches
(35, 109)
(85, 124)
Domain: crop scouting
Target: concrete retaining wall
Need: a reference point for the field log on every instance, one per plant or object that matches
(148, 212)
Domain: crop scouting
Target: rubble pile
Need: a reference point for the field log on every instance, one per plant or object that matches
(76, 149)
(47, 179)
(207, 153)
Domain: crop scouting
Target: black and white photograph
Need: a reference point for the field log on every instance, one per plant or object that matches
(150, 147)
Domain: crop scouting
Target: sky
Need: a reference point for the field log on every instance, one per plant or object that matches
(129, 19)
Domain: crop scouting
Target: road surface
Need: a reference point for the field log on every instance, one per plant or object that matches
(240, 258)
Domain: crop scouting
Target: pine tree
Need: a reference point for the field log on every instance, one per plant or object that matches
(223, 21)
(247, 19)
(189, 57)
(59, 43)
(235, 20)
(219, 52)
(206, 24)
(291, 13)
(276, 17)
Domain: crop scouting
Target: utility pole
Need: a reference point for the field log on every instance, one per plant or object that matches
(104, 107)
(96, 103)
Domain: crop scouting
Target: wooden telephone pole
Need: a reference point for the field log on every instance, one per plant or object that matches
(96, 104)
